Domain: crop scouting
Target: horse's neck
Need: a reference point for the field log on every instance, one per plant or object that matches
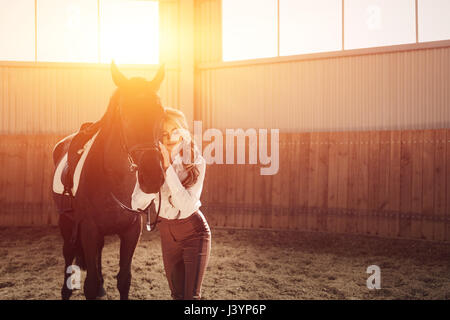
(106, 169)
(107, 166)
(115, 158)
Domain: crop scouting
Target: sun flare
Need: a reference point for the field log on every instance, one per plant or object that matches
(129, 32)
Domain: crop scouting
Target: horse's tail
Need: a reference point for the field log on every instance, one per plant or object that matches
(72, 241)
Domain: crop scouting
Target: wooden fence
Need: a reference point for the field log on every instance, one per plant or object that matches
(386, 183)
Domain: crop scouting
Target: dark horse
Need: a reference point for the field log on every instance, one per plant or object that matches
(125, 149)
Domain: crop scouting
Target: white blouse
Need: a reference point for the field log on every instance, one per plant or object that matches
(184, 202)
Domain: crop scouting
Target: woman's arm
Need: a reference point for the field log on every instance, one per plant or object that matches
(182, 198)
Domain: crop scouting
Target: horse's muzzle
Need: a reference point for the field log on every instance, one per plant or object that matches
(150, 172)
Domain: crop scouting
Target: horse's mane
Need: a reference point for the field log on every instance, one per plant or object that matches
(108, 116)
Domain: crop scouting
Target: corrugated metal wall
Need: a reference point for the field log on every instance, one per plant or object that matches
(382, 91)
(58, 99)
(208, 26)
(387, 91)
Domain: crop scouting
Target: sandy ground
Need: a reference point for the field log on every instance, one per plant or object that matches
(244, 264)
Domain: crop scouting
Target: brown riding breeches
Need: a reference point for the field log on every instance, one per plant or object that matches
(186, 244)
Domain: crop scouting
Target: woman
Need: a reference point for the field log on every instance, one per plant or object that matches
(185, 234)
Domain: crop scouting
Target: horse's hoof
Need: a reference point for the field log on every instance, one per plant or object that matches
(101, 294)
(66, 293)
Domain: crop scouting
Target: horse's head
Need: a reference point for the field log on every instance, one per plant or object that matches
(140, 119)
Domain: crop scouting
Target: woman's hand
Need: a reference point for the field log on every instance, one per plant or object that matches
(165, 155)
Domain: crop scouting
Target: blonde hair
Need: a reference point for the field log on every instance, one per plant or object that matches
(179, 119)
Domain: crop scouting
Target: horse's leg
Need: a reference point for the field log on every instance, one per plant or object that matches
(69, 256)
(65, 227)
(128, 242)
(101, 290)
(90, 238)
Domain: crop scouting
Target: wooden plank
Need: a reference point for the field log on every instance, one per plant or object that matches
(217, 184)
(209, 189)
(258, 196)
(394, 183)
(244, 184)
(447, 169)
(45, 164)
(363, 181)
(266, 218)
(384, 170)
(45, 176)
(51, 214)
(417, 182)
(41, 147)
(3, 175)
(343, 177)
(374, 183)
(217, 188)
(206, 196)
(294, 179)
(18, 182)
(277, 187)
(48, 165)
(428, 183)
(16, 185)
(10, 150)
(230, 220)
(439, 183)
(313, 191)
(269, 213)
(249, 194)
(322, 186)
(29, 169)
(333, 169)
(263, 195)
(6, 172)
(353, 183)
(285, 172)
(304, 180)
(222, 194)
(239, 185)
(405, 184)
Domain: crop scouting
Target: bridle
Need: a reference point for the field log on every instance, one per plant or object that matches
(134, 168)
(139, 147)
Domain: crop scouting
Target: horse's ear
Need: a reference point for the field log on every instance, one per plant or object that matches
(119, 79)
(158, 79)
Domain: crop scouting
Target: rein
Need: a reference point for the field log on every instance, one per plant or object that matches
(142, 211)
